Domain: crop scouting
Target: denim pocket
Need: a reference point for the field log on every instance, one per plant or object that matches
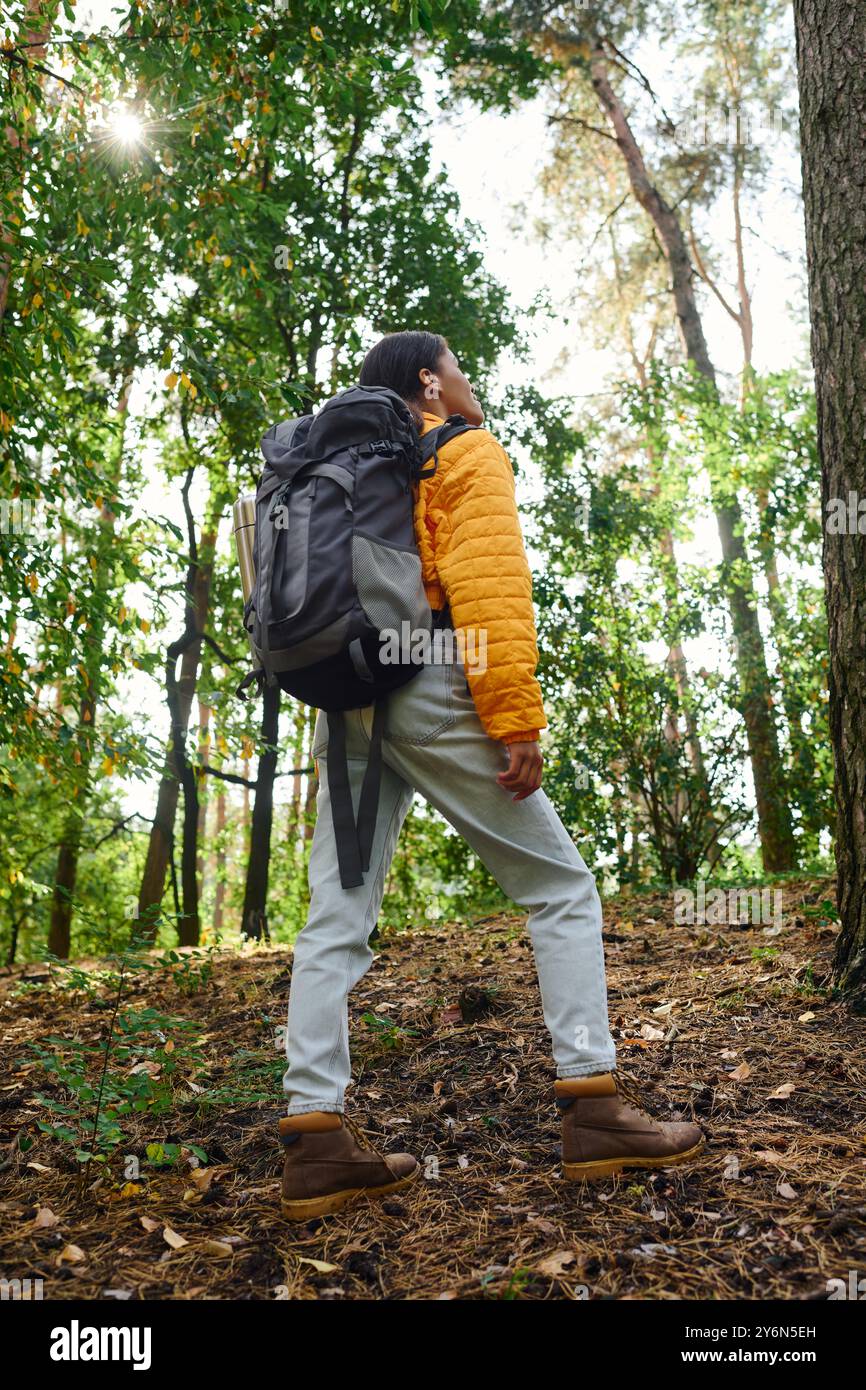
(461, 689)
(423, 708)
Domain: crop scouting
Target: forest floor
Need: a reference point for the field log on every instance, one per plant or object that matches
(731, 1024)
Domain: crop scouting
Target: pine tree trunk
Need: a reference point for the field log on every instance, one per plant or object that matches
(831, 44)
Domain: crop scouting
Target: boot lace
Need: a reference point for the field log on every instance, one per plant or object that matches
(358, 1134)
(627, 1089)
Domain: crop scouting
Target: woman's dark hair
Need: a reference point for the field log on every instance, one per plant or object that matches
(397, 359)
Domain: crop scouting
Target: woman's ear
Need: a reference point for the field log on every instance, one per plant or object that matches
(432, 389)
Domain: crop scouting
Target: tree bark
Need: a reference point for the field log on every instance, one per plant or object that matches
(831, 42)
(161, 842)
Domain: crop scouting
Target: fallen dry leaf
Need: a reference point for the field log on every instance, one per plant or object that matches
(651, 1034)
(201, 1179)
(782, 1092)
(219, 1249)
(320, 1266)
(149, 1224)
(542, 1223)
(45, 1219)
(556, 1264)
(740, 1073)
(173, 1239)
(71, 1255)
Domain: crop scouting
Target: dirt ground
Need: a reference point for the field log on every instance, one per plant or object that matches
(731, 1024)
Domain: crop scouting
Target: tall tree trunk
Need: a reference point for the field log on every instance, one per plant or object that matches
(774, 817)
(179, 694)
(676, 658)
(831, 42)
(766, 540)
(254, 921)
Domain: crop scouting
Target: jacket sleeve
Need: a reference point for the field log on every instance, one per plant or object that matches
(483, 568)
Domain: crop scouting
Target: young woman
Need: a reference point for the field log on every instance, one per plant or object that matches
(466, 738)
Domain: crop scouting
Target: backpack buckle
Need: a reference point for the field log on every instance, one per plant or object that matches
(378, 446)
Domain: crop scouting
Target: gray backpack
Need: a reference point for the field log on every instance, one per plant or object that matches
(337, 573)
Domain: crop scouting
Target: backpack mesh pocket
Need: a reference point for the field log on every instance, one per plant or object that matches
(388, 582)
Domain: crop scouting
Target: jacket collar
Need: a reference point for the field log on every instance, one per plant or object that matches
(430, 421)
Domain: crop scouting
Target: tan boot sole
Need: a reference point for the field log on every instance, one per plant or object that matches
(607, 1167)
(307, 1208)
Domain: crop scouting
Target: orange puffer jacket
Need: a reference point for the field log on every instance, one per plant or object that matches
(472, 557)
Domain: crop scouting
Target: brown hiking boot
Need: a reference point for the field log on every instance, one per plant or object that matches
(329, 1163)
(604, 1129)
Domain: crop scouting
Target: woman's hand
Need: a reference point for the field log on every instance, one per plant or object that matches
(524, 771)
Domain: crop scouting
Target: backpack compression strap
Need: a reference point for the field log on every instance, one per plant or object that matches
(275, 444)
(354, 841)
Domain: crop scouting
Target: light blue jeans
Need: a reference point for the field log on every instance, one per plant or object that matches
(436, 745)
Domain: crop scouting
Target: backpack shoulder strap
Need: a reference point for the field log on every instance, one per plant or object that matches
(437, 438)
